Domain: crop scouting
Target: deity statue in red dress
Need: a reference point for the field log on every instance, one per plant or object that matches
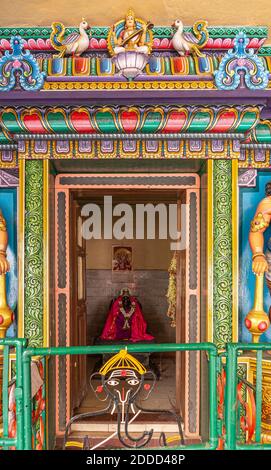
(125, 320)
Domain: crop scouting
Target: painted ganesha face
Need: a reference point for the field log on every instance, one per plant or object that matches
(123, 384)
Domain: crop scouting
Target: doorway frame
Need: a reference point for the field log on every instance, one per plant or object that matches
(64, 184)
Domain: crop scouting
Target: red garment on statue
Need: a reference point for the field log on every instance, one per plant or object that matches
(138, 324)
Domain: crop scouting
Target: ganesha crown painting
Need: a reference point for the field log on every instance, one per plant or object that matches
(135, 229)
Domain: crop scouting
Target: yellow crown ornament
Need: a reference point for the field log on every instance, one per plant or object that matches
(122, 360)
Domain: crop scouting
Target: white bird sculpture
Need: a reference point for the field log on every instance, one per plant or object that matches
(76, 43)
(184, 43)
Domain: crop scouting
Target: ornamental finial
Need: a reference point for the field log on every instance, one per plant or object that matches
(130, 12)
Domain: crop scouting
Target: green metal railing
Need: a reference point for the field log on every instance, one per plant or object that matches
(19, 345)
(231, 407)
(209, 348)
(228, 359)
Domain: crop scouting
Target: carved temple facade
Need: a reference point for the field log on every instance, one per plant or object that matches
(196, 125)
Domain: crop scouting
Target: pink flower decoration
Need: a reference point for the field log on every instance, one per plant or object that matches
(16, 64)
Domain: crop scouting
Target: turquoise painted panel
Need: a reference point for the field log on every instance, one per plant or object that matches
(8, 205)
(249, 199)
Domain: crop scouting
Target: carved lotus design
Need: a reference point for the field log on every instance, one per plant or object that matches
(130, 64)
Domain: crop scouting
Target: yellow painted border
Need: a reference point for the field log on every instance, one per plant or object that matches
(47, 358)
(46, 286)
(21, 233)
(142, 85)
(210, 254)
(235, 249)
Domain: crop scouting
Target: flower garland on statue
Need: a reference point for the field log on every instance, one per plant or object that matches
(127, 315)
(172, 291)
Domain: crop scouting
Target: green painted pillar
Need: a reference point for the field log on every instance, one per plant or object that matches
(34, 251)
(222, 251)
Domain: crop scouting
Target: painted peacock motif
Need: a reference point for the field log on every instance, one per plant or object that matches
(74, 44)
(185, 42)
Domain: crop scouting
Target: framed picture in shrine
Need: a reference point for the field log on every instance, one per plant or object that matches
(122, 257)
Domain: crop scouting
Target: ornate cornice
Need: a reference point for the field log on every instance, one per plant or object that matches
(157, 67)
(188, 72)
(220, 37)
(126, 148)
(261, 134)
(239, 67)
(119, 137)
(135, 132)
(128, 120)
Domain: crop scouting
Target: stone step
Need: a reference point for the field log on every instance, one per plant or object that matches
(133, 427)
